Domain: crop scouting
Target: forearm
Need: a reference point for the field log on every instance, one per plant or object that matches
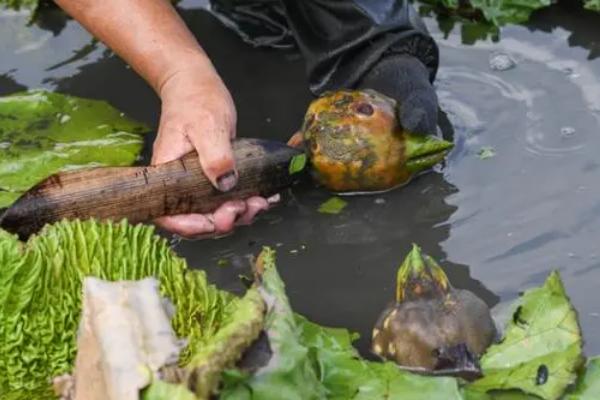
(148, 34)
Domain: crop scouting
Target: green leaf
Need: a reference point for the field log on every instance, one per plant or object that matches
(297, 164)
(314, 362)
(501, 12)
(40, 300)
(20, 4)
(541, 348)
(238, 330)
(42, 133)
(486, 152)
(593, 5)
(347, 376)
(498, 12)
(588, 385)
(334, 205)
(160, 390)
(289, 374)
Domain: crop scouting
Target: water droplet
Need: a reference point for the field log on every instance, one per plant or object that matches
(293, 251)
(64, 118)
(571, 255)
(379, 201)
(501, 62)
(567, 131)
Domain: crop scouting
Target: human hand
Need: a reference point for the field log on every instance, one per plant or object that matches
(405, 79)
(198, 113)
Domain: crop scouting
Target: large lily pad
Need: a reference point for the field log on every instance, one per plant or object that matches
(42, 133)
(40, 301)
(542, 346)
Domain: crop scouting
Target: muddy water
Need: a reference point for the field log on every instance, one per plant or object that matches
(499, 225)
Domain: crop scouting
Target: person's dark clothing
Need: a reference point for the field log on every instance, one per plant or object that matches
(341, 40)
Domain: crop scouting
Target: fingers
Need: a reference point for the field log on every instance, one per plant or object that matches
(187, 225)
(212, 141)
(169, 145)
(221, 222)
(226, 215)
(254, 206)
(198, 108)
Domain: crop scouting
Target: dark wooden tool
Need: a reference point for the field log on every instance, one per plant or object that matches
(141, 194)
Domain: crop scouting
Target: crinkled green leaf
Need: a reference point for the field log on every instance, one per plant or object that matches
(42, 133)
(334, 205)
(588, 384)
(541, 348)
(40, 296)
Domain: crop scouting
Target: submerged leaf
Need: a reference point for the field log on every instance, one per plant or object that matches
(334, 205)
(541, 348)
(43, 133)
(486, 152)
(40, 297)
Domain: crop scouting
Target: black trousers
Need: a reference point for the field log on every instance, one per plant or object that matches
(340, 39)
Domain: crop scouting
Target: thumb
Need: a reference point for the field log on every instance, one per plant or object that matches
(216, 156)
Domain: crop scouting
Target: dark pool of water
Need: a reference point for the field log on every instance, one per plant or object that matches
(498, 225)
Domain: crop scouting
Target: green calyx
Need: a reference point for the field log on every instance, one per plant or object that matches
(420, 276)
(423, 152)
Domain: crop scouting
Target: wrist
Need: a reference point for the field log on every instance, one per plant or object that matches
(191, 66)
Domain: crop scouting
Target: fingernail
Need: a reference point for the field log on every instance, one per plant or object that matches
(274, 199)
(227, 181)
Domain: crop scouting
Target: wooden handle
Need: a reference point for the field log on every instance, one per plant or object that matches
(141, 194)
